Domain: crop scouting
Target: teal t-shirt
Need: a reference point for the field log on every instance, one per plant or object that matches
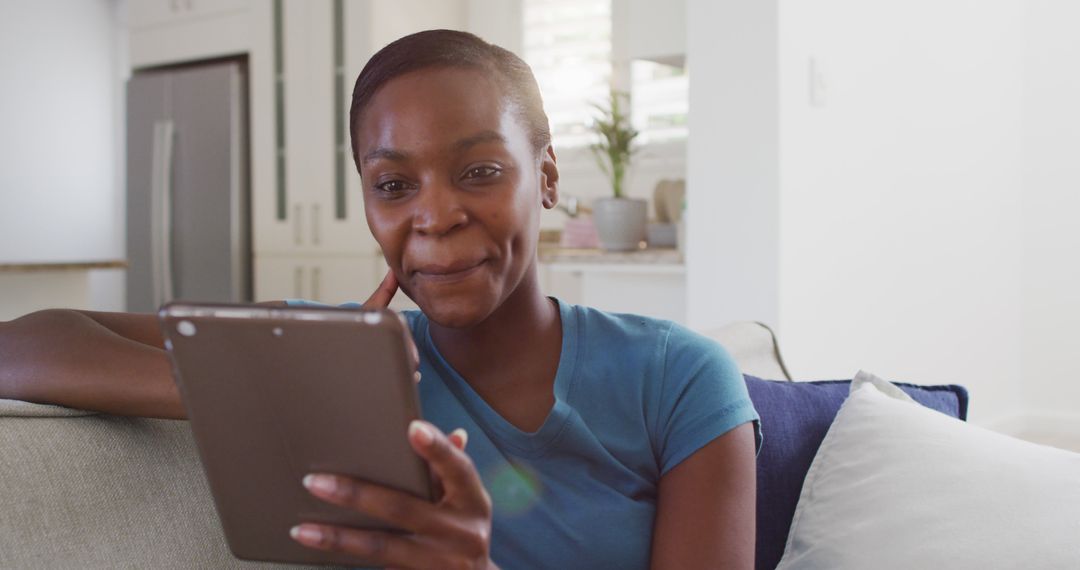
(634, 396)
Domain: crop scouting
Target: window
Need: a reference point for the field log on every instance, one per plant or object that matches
(568, 45)
(660, 101)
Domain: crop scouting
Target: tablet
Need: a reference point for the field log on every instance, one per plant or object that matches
(275, 393)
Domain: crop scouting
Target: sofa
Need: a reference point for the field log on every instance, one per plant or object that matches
(81, 489)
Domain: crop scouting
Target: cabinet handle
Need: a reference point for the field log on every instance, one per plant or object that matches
(316, 283)
(298, 282)
(298, 228)
(315, 224)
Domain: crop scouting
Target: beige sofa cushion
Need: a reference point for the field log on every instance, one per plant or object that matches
(85, 490)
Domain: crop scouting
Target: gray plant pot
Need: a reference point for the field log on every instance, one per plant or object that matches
(620, 222)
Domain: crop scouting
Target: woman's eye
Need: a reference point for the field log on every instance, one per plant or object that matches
(481, 172)
(391, 187)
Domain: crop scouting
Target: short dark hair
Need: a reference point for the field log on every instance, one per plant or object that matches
(451, 48)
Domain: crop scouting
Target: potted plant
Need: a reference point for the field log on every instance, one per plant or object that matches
(620, 221)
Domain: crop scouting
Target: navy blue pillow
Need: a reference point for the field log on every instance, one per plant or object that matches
(794, 419)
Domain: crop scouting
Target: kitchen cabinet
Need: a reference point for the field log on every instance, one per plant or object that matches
(164, 32)
(309, 233)
(328, 279)
(314, 203)
(652, 290)
(648, 282)
(307, 204)
(146, 13)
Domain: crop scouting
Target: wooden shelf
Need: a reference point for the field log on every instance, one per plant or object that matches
(61, 266)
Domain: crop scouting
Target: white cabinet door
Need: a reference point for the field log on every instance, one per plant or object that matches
(327, 279)
(144, 13)
(283, 109)
(565, 285)
(336, 280)
(321, 210)
(271, 227)
(642, 290)
(336, 202)
(278, 278)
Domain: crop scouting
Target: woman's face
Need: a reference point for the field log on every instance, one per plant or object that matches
(453, 188)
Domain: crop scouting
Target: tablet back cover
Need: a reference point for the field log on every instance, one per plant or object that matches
(271, 398)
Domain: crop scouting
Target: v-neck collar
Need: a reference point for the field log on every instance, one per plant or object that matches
(528, 444)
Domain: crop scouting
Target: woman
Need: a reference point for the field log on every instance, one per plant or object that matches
(597, 440)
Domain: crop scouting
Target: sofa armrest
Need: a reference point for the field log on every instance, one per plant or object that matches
(754, 347)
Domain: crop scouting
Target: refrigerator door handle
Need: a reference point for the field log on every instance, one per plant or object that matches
(315, 224)
(168, 131)
(160, 213)
(155, 216)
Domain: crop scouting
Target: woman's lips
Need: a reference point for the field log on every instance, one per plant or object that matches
(445, 273)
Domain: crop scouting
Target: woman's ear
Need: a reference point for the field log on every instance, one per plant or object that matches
(549, 179)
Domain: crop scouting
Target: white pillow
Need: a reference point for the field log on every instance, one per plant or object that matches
(897, 485)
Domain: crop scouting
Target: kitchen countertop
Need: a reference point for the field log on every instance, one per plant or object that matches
(649, 260)
(62, 266)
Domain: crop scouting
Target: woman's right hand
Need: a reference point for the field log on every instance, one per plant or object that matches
(452, 532)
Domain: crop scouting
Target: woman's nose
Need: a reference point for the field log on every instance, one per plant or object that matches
(438, 211)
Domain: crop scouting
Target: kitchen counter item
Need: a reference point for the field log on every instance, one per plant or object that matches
(661, 235)
(667, 200)
(620, 222)
(579, 232)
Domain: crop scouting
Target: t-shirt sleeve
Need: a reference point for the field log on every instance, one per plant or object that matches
(702, 396)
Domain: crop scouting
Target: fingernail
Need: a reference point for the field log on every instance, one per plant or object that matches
(421, 432)
(305, 533)
(461, 435)
(416, 376)
(320, 483)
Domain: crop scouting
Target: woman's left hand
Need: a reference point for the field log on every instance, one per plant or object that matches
(454, 532)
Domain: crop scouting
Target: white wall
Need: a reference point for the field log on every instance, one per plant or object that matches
(1051, 207)
(62, 185)
(392, 19)
(917, 216)
(732, 163)
(500, 22)
(59, 185)
(901, 224)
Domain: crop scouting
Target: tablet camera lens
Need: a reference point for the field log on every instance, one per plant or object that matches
(372, 318)
(186, 328)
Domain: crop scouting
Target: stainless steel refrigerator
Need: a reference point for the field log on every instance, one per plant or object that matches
(188, 215)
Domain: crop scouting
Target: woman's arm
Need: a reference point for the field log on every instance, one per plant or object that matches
(108, 362)
(705, 514)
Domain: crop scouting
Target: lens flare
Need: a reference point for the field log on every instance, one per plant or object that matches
(514, 489)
